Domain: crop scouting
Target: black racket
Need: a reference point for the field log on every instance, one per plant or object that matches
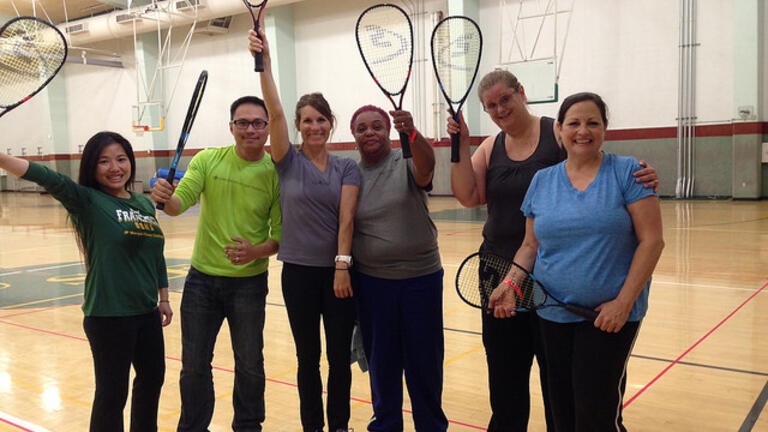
(194, 104)
(385, 39)
(32, 52)
(481, 273)
(456, 48)
(258, 58)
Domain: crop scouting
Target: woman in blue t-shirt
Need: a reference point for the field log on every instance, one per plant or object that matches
(595, 236)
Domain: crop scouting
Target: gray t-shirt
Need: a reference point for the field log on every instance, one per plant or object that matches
(309, 199)
(394, 235)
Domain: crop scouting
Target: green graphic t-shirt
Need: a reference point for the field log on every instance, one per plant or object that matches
(122, 240)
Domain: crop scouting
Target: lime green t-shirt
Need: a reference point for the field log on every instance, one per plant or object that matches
(238, 198)
(122, 240)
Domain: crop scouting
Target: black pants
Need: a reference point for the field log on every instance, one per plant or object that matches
(116, 344)
(308, 294)
(510, 345)
(587, 374)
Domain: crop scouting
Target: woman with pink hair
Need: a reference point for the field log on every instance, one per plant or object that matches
(399, 277)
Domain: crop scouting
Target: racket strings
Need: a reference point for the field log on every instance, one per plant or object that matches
(456, 49)
(31, 52)
(385, 40)
(479, 276)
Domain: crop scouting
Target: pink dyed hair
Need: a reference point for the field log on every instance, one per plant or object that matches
(365, 108)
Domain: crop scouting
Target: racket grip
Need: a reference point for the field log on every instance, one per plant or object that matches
(169, 178)
(405, 144)
(582, 312)
(455, 147)
(258, 58)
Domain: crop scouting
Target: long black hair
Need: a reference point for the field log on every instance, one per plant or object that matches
(92, 152)
(87, 177)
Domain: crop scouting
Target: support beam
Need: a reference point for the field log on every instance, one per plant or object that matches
(279, 29)
(748, 39)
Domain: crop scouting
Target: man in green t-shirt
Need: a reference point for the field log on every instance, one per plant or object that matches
(238, 229)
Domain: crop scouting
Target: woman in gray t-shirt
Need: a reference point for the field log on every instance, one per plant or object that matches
(399, 285)
(318, 198)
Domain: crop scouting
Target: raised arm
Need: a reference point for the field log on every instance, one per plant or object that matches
(14, 165)
(646, 219)
(423, 153)
(279, 137)
(468, 175)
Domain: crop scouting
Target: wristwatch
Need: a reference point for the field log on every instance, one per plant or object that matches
(345, 259)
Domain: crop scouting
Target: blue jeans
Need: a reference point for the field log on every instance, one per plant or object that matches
(206, 301)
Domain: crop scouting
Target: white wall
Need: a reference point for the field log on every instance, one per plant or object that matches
(626, 50)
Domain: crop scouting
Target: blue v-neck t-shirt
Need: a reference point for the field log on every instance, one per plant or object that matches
(586, 238)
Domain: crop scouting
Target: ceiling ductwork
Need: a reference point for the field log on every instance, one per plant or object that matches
(146, 17)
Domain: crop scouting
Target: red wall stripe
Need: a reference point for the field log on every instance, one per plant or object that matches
(715, 130)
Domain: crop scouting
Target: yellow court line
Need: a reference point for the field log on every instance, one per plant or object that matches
(41, 301)
(282, 374)
(464, 354)
(455, 309)
(16, 382)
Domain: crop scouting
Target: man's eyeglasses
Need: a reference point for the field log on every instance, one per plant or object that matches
(243, 124)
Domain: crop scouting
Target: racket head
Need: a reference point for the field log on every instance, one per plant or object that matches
(457, 45)
(32, 51)
(478, 275)
(256, 17)
(194, 106)
(384, 37)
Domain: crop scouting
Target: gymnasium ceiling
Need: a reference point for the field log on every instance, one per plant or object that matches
(55, 8)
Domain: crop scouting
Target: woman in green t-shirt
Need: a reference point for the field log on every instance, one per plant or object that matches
(122, 244)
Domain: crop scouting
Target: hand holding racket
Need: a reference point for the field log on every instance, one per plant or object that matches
(258, 59)
(385, 40)
(457, 44)
(32, 52)
(194, 105)
(487, 281)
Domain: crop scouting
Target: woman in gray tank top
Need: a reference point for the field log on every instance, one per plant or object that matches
(498, 175)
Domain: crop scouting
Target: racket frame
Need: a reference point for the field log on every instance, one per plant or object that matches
(258, 58)
(194, 105)
(8, 108)
(405, 142)
(502, 272)
(455, 113)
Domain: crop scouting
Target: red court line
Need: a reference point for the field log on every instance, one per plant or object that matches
(43, 331)
(2, 420)
(216, 368)
(38, 310)
(755, 294)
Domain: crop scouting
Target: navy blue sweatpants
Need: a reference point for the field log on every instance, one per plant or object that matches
(402, 326)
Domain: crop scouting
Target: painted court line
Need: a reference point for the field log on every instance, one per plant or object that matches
(354, 399)
(20, 424)
(754, 413)
(692, 347)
